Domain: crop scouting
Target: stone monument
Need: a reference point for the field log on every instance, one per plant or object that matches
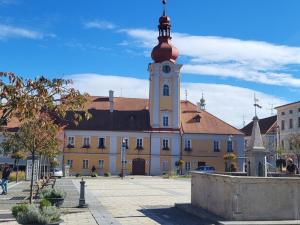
(256, 152)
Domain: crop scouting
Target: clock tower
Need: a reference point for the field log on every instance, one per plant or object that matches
(164, 72)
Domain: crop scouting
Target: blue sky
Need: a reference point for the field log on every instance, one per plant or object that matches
(239, 46)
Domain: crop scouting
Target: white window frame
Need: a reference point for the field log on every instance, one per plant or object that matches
(188, 166)
(103, 141)
(85, 164)
(139, 143)
(187, 143)
(101, 165)
(167, 90)
(216, 144)
(126, 141)
(168, 83)
(89, 141)
(165, 147)
(73, 138)
(165, 120)
(70, 163)
(227, 145)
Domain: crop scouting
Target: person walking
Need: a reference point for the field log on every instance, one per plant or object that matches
(5, 175)
(291, 167)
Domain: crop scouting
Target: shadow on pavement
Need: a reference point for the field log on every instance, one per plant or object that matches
(172, 215)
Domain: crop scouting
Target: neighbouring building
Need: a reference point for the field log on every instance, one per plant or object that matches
(157, 131)
(288, 117)
(11, 126)
(268, 130)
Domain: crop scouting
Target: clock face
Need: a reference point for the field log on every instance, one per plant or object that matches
(166, 68)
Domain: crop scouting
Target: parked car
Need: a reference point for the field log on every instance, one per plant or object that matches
(56, 172)
(206, 169)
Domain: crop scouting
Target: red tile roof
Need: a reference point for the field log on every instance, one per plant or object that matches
(133, 114)
(200, 121)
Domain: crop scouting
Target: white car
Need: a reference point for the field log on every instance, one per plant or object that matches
(56, 172)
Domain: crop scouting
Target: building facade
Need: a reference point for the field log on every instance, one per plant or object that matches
(288, 117)
(158, 131)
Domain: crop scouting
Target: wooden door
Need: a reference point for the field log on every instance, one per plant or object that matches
(138, 166)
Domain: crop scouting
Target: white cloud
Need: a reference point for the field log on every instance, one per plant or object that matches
(8, 2)
(7, 31)
(254, 61)
(224, 101)
(100, 25)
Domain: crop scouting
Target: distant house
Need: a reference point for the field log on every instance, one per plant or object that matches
(268, 129)
(288, 123)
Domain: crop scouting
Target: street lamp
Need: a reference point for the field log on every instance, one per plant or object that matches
(123, 158)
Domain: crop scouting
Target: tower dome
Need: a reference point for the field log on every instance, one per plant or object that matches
(164, 50)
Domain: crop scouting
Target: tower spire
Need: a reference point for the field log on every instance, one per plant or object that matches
(164, 51)
(164, 2)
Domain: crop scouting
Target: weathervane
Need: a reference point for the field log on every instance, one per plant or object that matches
(256, 105)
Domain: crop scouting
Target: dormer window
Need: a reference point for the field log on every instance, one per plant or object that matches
(166, 90)
(197, 118)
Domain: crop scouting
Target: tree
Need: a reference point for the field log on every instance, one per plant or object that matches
(18, 155)
(295, 146)
(25, 98)
(37, 136)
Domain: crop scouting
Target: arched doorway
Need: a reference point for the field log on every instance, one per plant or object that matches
(138, 166)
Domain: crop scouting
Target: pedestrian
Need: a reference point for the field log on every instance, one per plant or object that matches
(93, 169)
(5, 175)
(291, 167)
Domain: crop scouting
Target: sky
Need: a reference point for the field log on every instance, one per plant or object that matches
(230, 49)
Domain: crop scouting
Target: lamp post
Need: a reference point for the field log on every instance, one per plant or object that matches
(123, 158)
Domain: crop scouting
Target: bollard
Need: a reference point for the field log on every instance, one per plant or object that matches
(82, 203)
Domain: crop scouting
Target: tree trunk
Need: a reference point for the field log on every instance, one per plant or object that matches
(31, 180)
(17, 174)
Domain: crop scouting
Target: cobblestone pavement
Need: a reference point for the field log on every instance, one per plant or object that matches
(142, 200)
(71, 216)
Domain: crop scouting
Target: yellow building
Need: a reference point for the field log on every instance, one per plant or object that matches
(157, 131)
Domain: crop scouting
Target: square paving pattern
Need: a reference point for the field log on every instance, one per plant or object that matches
(142, 200)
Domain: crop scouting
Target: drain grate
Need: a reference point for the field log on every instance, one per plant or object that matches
(16, 198)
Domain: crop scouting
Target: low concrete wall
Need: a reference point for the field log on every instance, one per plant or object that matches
(247, 198)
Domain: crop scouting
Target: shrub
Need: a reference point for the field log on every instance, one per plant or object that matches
(18, 209)
(107, 174)
(13, 176)
(77, 175)
(48, 193)
(229, 156)
(51, 212)
(94, 174)
(34, 215)
(44, 203)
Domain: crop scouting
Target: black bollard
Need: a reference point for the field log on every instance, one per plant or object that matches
(82, 203)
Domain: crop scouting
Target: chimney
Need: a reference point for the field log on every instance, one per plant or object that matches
(111, 100)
